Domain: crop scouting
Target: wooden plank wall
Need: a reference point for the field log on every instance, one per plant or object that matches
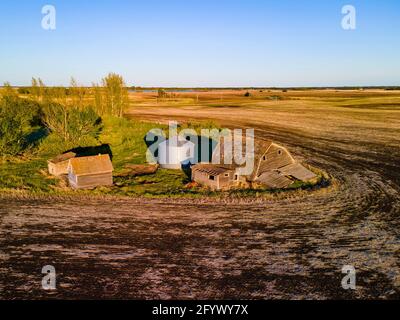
(95, 180)
(276, 157)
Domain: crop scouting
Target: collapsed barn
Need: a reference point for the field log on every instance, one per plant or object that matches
(273, 167)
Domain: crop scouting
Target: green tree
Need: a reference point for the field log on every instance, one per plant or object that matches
(38, 89)
(98, 95)
(83, 123)
(116, 94)
(12, 138)
(55, 117)
(77, 94)
(71, 123)
(17, 118)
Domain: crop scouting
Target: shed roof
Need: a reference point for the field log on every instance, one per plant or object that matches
(63, 157)
(211, 169)
(298, 171)
(91, 165)
(274, 179)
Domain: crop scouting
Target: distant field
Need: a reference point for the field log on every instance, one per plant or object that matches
(357, 116)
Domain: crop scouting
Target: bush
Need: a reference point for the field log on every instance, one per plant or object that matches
(72, 124)
(23, 90)
(17, 120)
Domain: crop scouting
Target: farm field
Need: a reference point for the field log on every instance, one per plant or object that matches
(288, 247)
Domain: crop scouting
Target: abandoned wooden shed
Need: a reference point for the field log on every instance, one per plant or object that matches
(59, 165)
(273, 165)
(216, 177)
(90, 172)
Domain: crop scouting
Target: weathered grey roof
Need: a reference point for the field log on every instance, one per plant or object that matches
(91, 165)
(211, 169)
(260, 147)
(298, 171)
(63, 157)
(274, 179)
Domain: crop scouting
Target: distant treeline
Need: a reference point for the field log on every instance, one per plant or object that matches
(136, 88)
(27, 89)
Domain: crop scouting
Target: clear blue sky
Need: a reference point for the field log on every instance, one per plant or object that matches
(202, 43)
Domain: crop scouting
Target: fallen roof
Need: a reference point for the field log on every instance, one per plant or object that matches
(274, 179)
(211, 169)
(297, 171)
(91, 165)
(63, 157)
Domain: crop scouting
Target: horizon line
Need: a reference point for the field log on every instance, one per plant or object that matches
(231, 87)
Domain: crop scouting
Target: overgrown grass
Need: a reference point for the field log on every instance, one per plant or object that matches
(25, 175)
(125, 138)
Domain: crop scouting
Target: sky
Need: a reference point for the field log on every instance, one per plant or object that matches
(202, 43)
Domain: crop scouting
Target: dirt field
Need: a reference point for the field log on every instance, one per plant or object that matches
(291, 248)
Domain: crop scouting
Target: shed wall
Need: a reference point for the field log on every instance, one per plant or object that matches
(221, 181)
(58, 169)
(72, 180)
(226, 182)
(94, 180)
(203, 178)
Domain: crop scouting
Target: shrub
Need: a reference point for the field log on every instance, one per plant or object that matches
(17, 118)
(116, 94)
(72, 124)
(23, 90)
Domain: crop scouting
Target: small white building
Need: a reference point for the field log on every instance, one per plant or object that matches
(175, 153)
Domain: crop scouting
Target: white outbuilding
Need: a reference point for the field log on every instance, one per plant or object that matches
(175, 153)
